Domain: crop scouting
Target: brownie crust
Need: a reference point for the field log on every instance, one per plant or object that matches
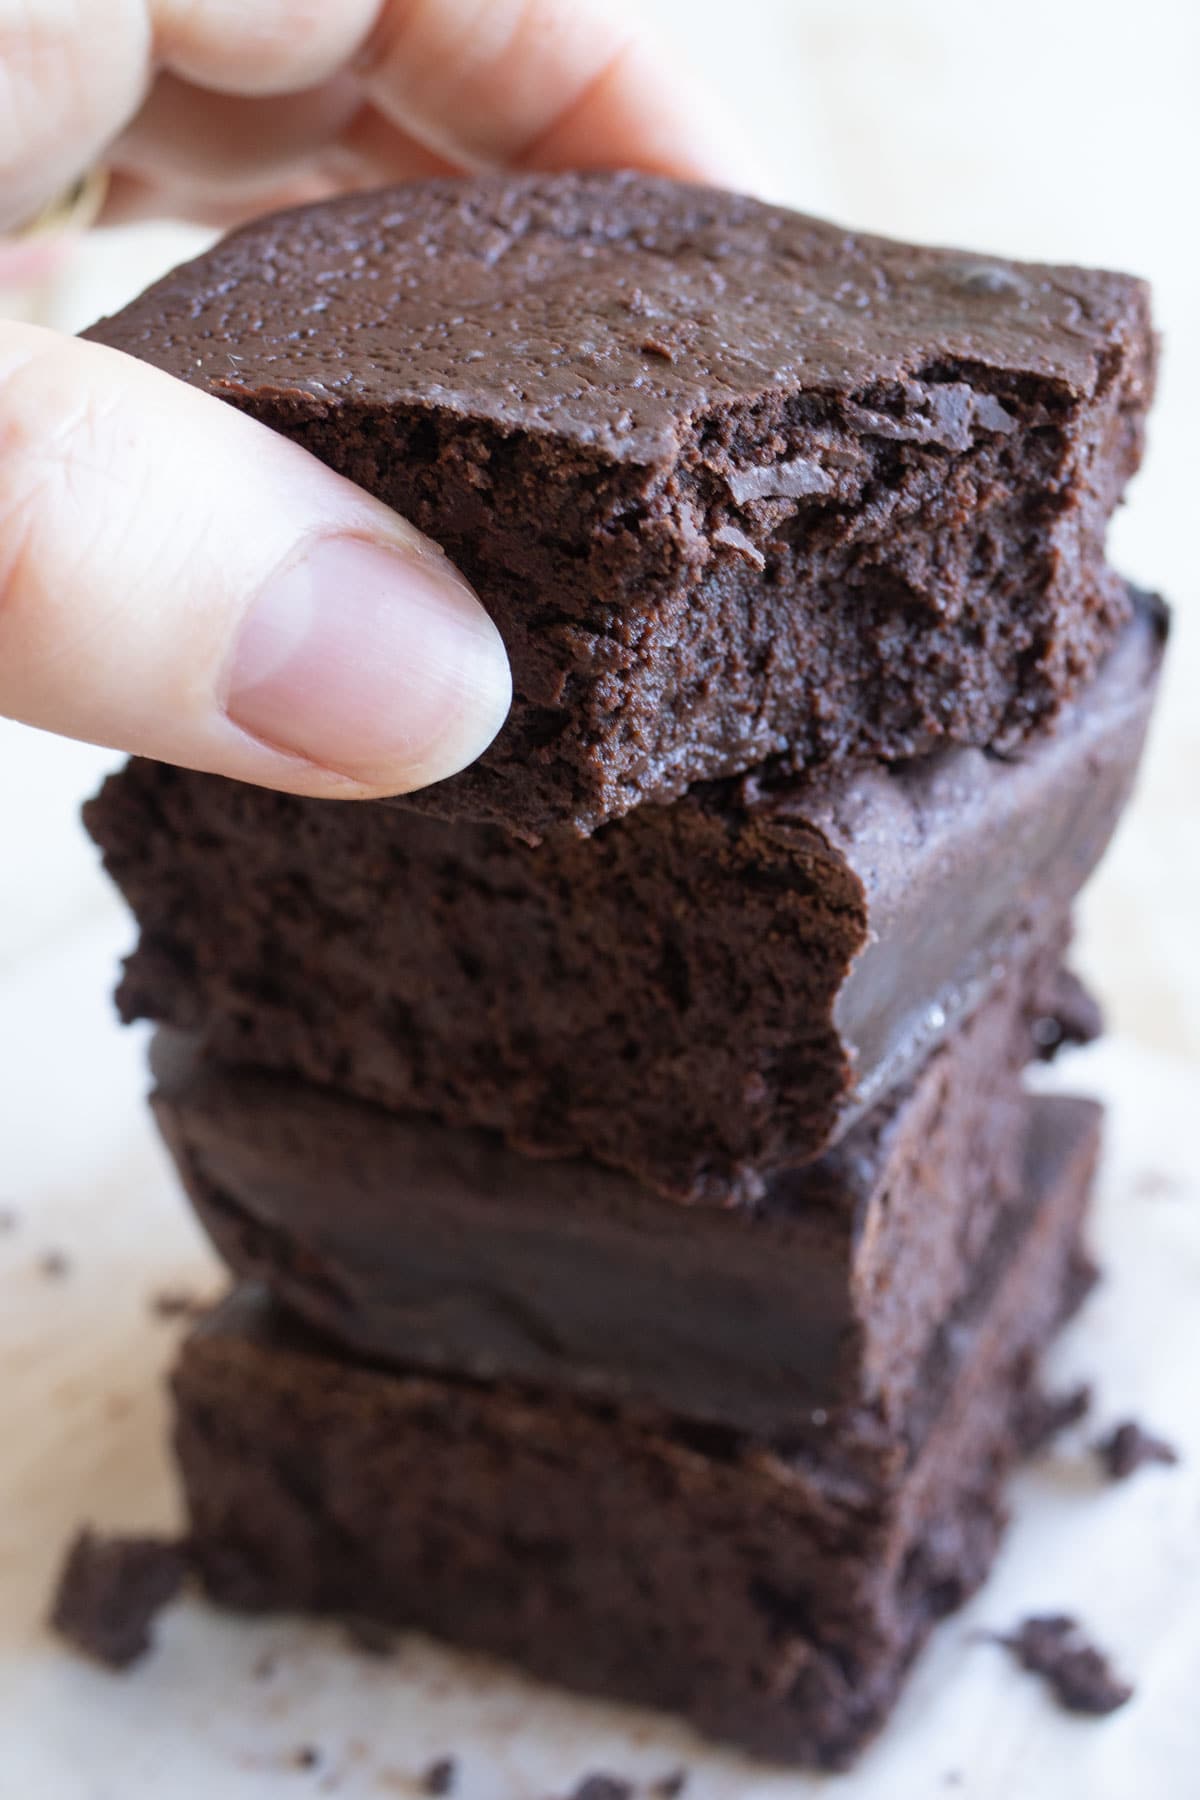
(769, 1599)
(411, 1243)
(730, 480)
(577, 998)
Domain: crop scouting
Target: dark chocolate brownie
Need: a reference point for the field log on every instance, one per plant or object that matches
(696, 994)
(729, 479)
(772, 1600)
(410, 1242)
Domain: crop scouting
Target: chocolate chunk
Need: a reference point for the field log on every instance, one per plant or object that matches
(1129, 1447)
(1079, 1676)
(779, 481)
(735, 539)
(110, 1592)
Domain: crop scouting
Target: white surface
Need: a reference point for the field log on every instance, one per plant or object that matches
(1068, 130)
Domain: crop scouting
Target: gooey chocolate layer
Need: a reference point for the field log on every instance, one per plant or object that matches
(412, 1243)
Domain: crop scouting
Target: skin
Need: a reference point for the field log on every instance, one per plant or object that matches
(174, 579)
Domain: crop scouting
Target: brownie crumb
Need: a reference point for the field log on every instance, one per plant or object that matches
(1075, 1019)
(110, 1592)
(54, 1265)
(307, 1757)
(176, 1303)
(1045, 1417)
(440, 1777)
(1077, 1673)
(602, 1787)
(369, 1638)
(669, 1787)
(9, 1220)
(1129, 1448)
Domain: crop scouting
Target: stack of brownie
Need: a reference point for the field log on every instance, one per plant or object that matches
(645, 1242)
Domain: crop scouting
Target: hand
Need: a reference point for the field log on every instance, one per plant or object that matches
(171, 572)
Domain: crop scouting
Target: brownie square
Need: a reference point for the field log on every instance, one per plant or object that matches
(773, 1600)
(730, 480)
(698, 994)
(409, 1242)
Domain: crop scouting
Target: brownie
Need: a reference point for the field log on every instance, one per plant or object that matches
(730, 480)
(410, 1242)
(696, 994)
(771, 1599)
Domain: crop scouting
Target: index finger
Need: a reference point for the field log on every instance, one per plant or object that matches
(525, 83)
(484, 82)
(546, 84)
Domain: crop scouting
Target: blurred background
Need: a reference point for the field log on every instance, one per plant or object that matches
(1061, 129)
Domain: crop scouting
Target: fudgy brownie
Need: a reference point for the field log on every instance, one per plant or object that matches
(771, 1599)
(730, 480)
(696, 994)
(405, 1241)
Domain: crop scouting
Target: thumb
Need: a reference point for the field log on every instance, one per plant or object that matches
(178, 581)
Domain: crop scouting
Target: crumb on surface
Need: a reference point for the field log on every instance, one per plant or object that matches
(602, 1787)
(175, 1303)
(306, 1757)
(54, 1265)
(110, 1592)
(440, 1777)
(1077, 1673)
(10, 1218)
(1129, 1447)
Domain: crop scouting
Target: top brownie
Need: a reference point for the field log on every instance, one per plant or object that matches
(731, 481)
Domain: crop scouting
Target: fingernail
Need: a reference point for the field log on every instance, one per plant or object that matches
(377, 663)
